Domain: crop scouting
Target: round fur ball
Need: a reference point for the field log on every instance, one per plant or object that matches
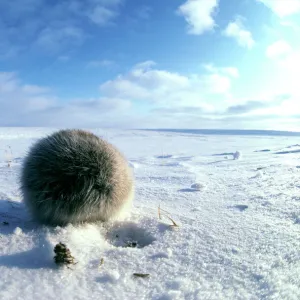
(73, 176)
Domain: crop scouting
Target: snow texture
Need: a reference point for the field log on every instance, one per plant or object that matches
(237, 235)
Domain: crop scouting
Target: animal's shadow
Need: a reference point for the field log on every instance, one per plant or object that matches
(36, 258)
(188, 190)
(13, 215)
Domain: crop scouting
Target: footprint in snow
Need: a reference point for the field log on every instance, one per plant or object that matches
(196, 187)
(240, 207)
(164, 156)
(129, 234)
(258, 175)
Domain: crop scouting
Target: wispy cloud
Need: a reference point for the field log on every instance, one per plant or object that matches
(100, 63)
(51, 25)
(237, 31)
(143, 12)
(146, 83)
(34, 89)
(283, 8)
(278, 49)
(199, 14)
(23, 98)
(285, 60)
(55, 39)
(247, 107)
(32, 105)
(231, 71)
(101, 15)
(179, 99)
(291, 25)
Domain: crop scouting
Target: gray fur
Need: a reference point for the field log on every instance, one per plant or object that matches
(73, 176)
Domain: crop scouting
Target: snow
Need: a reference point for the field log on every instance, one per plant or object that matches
(237, 235)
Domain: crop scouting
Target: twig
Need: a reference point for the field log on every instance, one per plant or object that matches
(166, 215)
(141, 275)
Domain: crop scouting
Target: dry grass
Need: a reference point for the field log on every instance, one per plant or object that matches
(162, 212)
(101, 262)
(8, 156)
(63, 255)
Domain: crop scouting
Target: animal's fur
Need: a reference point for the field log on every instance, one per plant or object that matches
(73, 176)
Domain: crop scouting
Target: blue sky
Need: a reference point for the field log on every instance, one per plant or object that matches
(150, 63)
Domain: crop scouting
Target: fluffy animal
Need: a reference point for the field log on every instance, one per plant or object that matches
(237, 155)
(73, 176)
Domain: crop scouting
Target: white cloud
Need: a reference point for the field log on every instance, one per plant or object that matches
(18, 100)
(278, 49)
(101, 15)
(199, 15)
(237, 31)
(101, 12)
(291, 63)
(162, 88)
(8, 82)
(56, 38)
(216, 83)
(289, 73)
(105, 104)
(285, 65)
(144, 84)
(283, 80)
(34, 89)
(196, 100)
(283, 8)
(291, 25)
(32, 105)
(231, 71)
(51, 24)
(146, 65)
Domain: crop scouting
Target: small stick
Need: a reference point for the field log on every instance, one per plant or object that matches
(141, 275)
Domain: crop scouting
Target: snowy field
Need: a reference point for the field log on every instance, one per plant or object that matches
(238, 233)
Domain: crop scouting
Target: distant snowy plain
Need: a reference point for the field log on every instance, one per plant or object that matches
(238, 234)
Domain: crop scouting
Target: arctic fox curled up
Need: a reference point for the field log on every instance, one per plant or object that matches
(73, 176)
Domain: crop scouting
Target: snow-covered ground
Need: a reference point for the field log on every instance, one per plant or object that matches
(238, 234)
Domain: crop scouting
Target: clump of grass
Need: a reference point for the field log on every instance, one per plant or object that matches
(63, 255)
(162, 212)
(8, 156)
(101, 262)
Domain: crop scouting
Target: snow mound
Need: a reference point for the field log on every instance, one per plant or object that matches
(198, 186)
